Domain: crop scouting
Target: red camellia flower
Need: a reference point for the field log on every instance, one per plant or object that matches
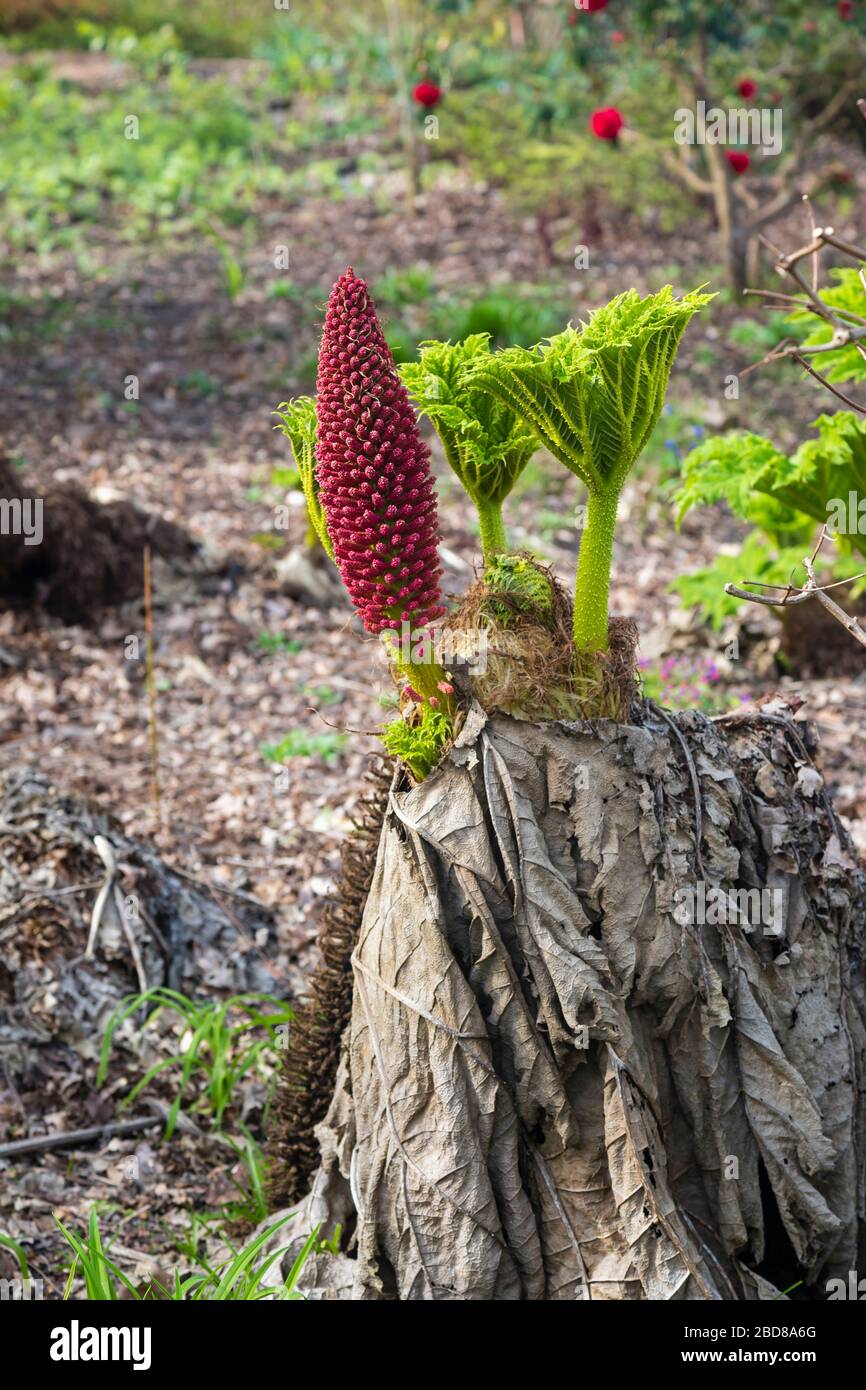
(738, 160)
(747, 88)
(607, 123)
(845, 8)
(373, 470)
(592, 5)
(427, 94)
(618, 36)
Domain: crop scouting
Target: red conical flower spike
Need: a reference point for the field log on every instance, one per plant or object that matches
(373, 470)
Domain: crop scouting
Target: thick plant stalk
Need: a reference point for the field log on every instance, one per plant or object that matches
(592, 585)
(493, 538)
(556, 1085)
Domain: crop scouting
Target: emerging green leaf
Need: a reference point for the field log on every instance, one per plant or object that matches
(594, 394)
(485, 443)
(419, 745)
(299, 424)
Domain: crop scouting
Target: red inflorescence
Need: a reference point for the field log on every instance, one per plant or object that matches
(747, 88)
(607, 123)
(845, 8)
(738, 160)
(373, 470)
(427, 94)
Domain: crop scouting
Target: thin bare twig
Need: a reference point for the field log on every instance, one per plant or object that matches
(66, 1139)
(834, 390)
(848, 328)
(151, 682)
(811, 589)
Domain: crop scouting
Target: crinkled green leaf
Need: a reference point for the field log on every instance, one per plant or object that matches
(485, 443)
(781, 494)
(594, 394)
(738, 468)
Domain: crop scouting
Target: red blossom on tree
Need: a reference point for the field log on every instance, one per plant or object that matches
(591, 6)
(738, 160)
(845, 8)
(427, 94)
(618, 36)
(607, 123)
(373, 470)
(747, 88)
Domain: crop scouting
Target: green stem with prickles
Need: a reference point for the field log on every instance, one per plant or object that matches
(493, 538)
(593, 573)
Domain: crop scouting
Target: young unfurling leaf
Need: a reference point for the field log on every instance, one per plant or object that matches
(299, 423)
(593, 396)
(485, 442)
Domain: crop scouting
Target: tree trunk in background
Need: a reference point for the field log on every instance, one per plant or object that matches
(558, 1085)
(740, 255)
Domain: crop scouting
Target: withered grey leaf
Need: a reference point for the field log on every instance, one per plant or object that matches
(552, 1087)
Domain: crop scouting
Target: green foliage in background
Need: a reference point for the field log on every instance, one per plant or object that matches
(784, 495)
(847, 295)
(785, 499)
(193, 157)
(298, 743)
(214, 1048)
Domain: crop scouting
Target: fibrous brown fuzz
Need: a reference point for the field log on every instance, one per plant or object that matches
(532, 671)
(306, 1082)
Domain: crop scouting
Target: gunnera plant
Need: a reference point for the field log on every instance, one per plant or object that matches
(593, 396)
(590, 395)
(486, 443)
(580, 948)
